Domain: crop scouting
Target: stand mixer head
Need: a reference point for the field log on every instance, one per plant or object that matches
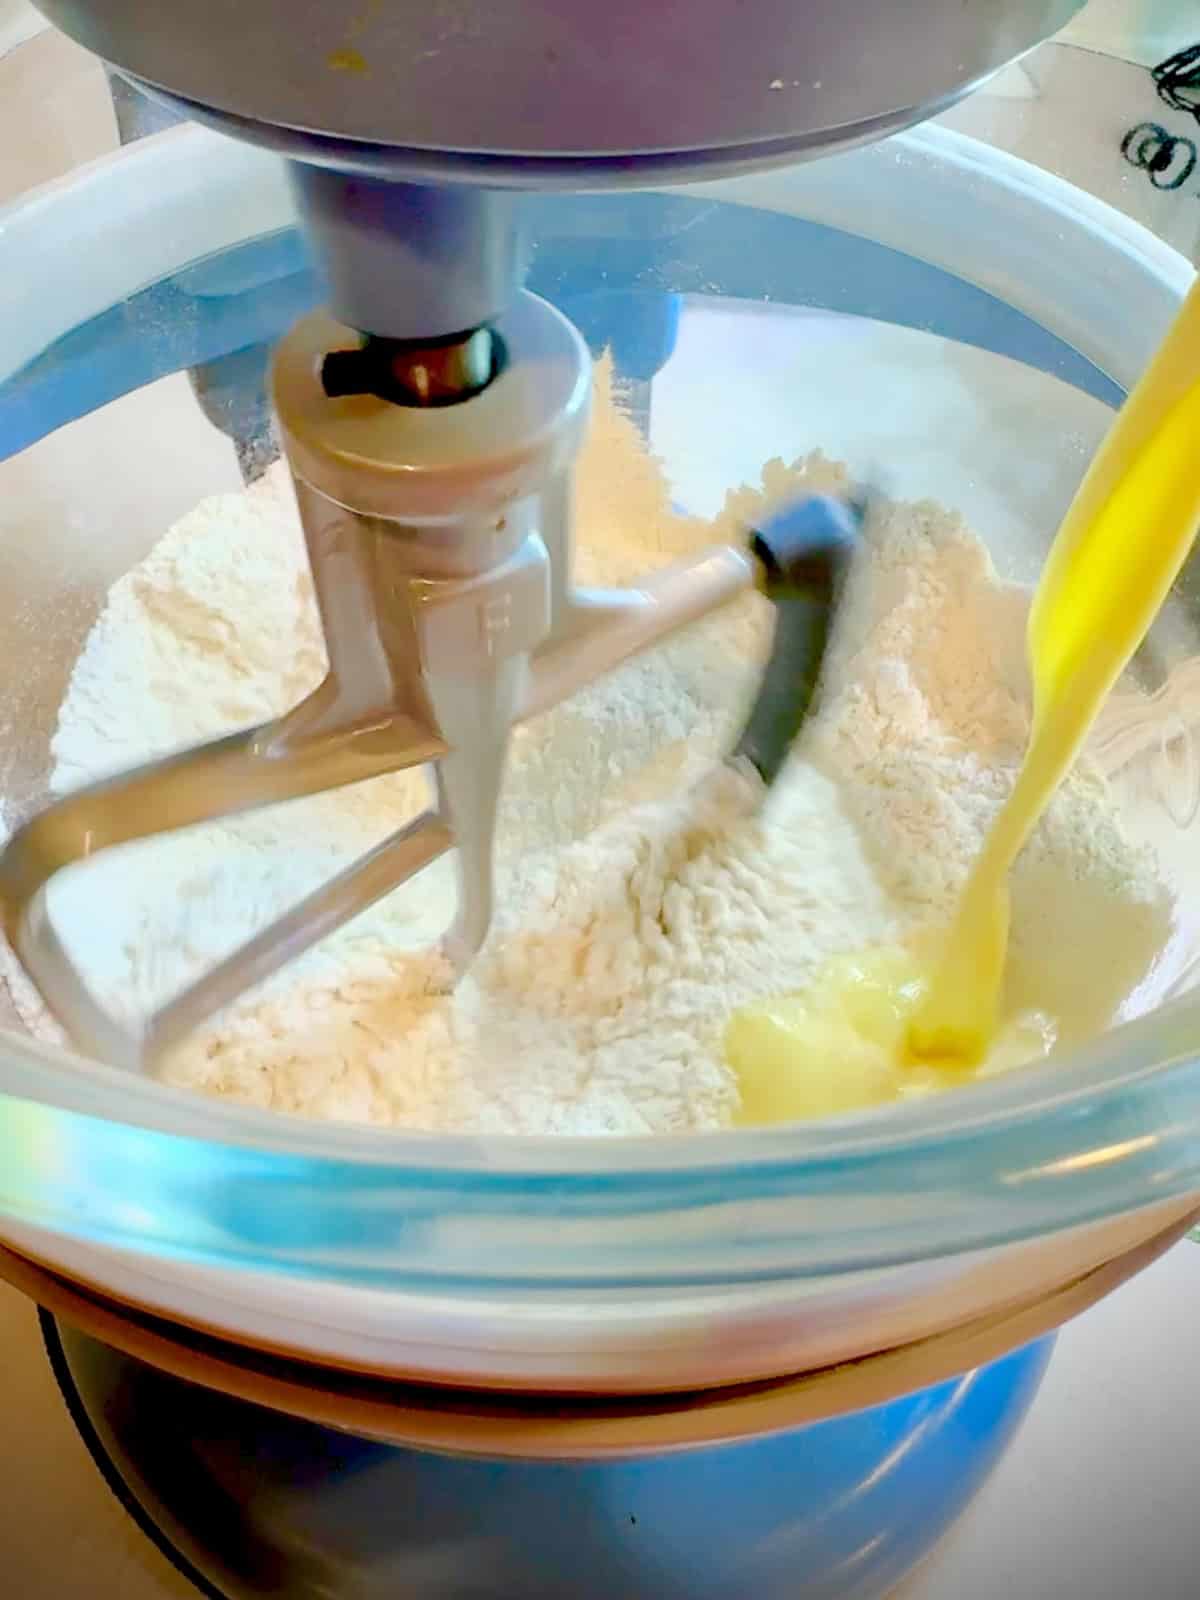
(431, 421)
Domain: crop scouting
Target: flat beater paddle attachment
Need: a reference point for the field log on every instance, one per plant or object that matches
(440, 545)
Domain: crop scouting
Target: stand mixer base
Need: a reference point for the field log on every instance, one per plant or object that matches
(248, 1503)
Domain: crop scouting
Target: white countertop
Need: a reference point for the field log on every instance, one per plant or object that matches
(1096, 1499)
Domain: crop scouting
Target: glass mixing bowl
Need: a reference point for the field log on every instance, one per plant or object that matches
(928, 305)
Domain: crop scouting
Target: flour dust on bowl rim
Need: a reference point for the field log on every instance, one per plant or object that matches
(965, 322)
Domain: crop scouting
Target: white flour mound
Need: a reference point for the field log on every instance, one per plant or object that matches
(640, 903)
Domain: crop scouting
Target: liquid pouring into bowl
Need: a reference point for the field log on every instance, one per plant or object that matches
(1117, 554)
(897, 1022)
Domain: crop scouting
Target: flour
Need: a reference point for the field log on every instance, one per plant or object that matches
(640, 901)
(924, 730)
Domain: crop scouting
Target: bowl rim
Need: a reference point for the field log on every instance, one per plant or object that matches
(1109, 1128)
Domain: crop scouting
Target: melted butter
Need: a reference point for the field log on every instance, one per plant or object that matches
(840, 1046)
(884, 1025)
(1118, 552)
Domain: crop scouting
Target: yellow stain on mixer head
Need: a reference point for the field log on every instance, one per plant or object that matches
(347, 60)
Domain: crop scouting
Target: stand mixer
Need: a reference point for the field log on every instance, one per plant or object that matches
(431, 420)
(396, 1467)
